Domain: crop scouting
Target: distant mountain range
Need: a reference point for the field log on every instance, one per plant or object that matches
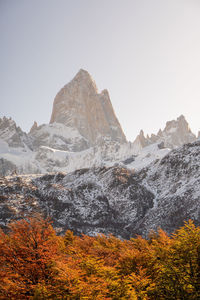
(93, 180)
(83, 132)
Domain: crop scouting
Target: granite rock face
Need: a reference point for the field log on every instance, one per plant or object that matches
(79, 105)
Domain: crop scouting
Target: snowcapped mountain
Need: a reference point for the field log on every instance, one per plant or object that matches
(176, 133)
(111, 199)
(13, 136)
(97, 181)
(54, 148)
(79, 105)
(83, 132)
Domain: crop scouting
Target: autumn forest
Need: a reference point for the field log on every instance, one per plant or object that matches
(36, 263)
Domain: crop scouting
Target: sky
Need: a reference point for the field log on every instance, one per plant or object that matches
(145, 52)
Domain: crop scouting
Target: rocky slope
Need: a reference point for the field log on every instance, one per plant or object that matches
(175, 182)
(111, 200)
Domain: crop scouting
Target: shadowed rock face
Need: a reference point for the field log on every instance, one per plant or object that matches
(111, 200)
(80, 106)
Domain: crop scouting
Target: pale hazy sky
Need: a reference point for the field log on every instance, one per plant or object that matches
(145, 52)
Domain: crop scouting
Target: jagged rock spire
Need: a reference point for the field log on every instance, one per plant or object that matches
(175, 134)
(12, 134)
(34, 127)
(79, 105)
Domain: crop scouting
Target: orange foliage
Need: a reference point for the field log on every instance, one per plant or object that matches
(37, 264)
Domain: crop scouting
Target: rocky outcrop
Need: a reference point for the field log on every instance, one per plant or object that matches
(13, 135)
(80, 106)
(140, 142)
(176, 133)
(34, 127)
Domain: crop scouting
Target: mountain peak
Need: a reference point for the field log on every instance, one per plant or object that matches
(179, 126)
(141, 133)
(34, 127)
(12, 134)
(181, 118)
(83, 77)
(79, 105)
(175, 134)
(83, 72)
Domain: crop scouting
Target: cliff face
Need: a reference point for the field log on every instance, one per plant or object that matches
(79, 105)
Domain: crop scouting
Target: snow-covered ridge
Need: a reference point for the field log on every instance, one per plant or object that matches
(59, 136)
(47, 159)
(111, 199)
(56, 147)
